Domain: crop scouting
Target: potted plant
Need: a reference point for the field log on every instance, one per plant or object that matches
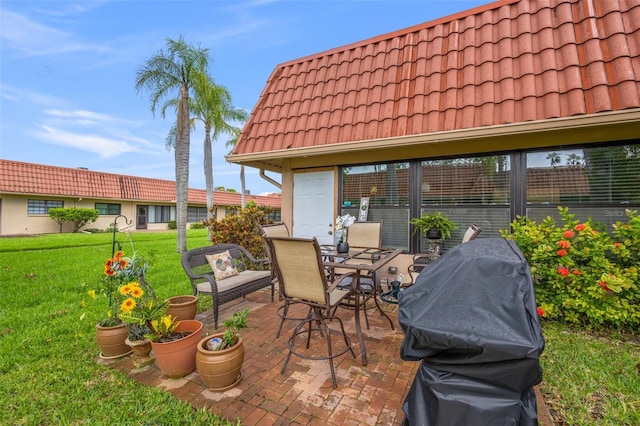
(138, 307)
(174, 344)
(435, 225)
(220, 356)
(111, 332)
(342, 224)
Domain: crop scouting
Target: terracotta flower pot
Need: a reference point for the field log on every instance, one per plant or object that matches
(220, 370)
(111, 341)
(178, 358)
(183, 307)
(141, 350)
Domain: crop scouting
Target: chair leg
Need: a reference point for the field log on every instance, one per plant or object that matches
(215, 313)
(285, 310)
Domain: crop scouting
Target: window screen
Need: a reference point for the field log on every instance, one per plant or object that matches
(108, 209)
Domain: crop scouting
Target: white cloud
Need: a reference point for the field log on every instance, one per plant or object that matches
(26, 96)
(101, 145)
(30, 37)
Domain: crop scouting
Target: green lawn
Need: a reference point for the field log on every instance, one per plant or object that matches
(48, 373)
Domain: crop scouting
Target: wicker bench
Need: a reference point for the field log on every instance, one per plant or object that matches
(247, 281)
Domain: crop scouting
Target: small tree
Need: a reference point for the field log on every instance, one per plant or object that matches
(242, 229)
(78, 216)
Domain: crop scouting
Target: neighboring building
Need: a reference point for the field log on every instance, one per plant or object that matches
(512, 108)
(28, 191)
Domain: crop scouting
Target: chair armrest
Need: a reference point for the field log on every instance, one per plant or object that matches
(263, 260)
(341, 278)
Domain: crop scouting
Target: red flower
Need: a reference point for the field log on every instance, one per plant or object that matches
(563, 271)
(617, 245)
(564, 244)
(603, 285)
(575, 272)
(581, 227)
(540, 311)
(561, 252)
(569, 234)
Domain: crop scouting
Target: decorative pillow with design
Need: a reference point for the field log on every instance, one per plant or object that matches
(222, 265)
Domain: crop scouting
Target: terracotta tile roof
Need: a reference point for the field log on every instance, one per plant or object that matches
(505, 62)
(26, 178)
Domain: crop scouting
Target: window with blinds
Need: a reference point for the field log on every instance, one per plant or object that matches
(599, 182)
(384, 184)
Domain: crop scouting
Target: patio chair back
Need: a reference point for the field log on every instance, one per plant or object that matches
(275, 230)
(299, 268)
(471, 233)
(365, 234)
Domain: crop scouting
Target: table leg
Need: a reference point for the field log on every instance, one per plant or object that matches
(363, 349)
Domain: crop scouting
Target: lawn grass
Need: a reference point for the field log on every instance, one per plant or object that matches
(49, 374)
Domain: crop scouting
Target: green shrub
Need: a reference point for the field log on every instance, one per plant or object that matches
(581, 273)
(242, 229)
(196, 225)
(172, 224)
(78, 216)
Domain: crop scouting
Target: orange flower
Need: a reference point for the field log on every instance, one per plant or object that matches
(568, 234)
(575, 272)
(603, 285)
(617, 245)
(563, 271)
(561, 252)
(564, 244)
(581, 227)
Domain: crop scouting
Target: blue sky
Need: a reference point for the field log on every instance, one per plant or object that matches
(67, 71)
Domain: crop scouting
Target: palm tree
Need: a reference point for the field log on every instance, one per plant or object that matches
(211, 104)
(164, 74)
(231, 143)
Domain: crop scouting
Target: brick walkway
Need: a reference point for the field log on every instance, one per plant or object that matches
(370, 395)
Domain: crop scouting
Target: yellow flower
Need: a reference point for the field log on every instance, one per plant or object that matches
(128, 305)
(125, 289)
(92, 294)
(137, 292)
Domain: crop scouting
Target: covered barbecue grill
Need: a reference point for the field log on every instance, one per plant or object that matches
(471, 320)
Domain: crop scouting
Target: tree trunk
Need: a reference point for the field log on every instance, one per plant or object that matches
(182, 169)
(208, 173)
(242, 186)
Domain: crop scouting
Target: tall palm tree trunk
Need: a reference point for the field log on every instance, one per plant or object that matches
(182, 169)
(208, 173)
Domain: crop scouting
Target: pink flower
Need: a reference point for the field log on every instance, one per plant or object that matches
(561, 252)
(581, 227)
(563, 271)
(569, 234)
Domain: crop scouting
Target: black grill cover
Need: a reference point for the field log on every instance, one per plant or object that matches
(471, 319)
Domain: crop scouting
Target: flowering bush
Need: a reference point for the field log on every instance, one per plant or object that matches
(580, 272)
(342, 223)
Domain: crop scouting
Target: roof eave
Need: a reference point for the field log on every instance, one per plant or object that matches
(574, 130)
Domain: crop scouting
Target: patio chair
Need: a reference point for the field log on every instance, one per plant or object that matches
(278, 230)
(369, 235)
(421, 260)
(300, 271)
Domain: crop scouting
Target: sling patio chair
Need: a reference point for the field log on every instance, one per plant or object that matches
(300, 271)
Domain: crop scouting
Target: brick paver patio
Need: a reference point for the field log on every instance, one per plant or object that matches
(369, 395)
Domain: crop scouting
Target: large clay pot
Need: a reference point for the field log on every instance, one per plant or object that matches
(111, 341)
(183, 307)
(220, 370)
(178, 358)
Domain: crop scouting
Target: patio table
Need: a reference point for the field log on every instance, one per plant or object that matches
(359, 259)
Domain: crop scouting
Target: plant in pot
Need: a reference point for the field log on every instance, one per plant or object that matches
(220, 356)
(174, 344)
(138, 307)
(183, 307)
(111, 332)
(434, 226)
(342, 225)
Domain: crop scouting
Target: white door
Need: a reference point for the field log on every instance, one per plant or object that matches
(313, 206)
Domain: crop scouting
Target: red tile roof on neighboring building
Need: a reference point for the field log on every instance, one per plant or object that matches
(505, 62)
(37, 179)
